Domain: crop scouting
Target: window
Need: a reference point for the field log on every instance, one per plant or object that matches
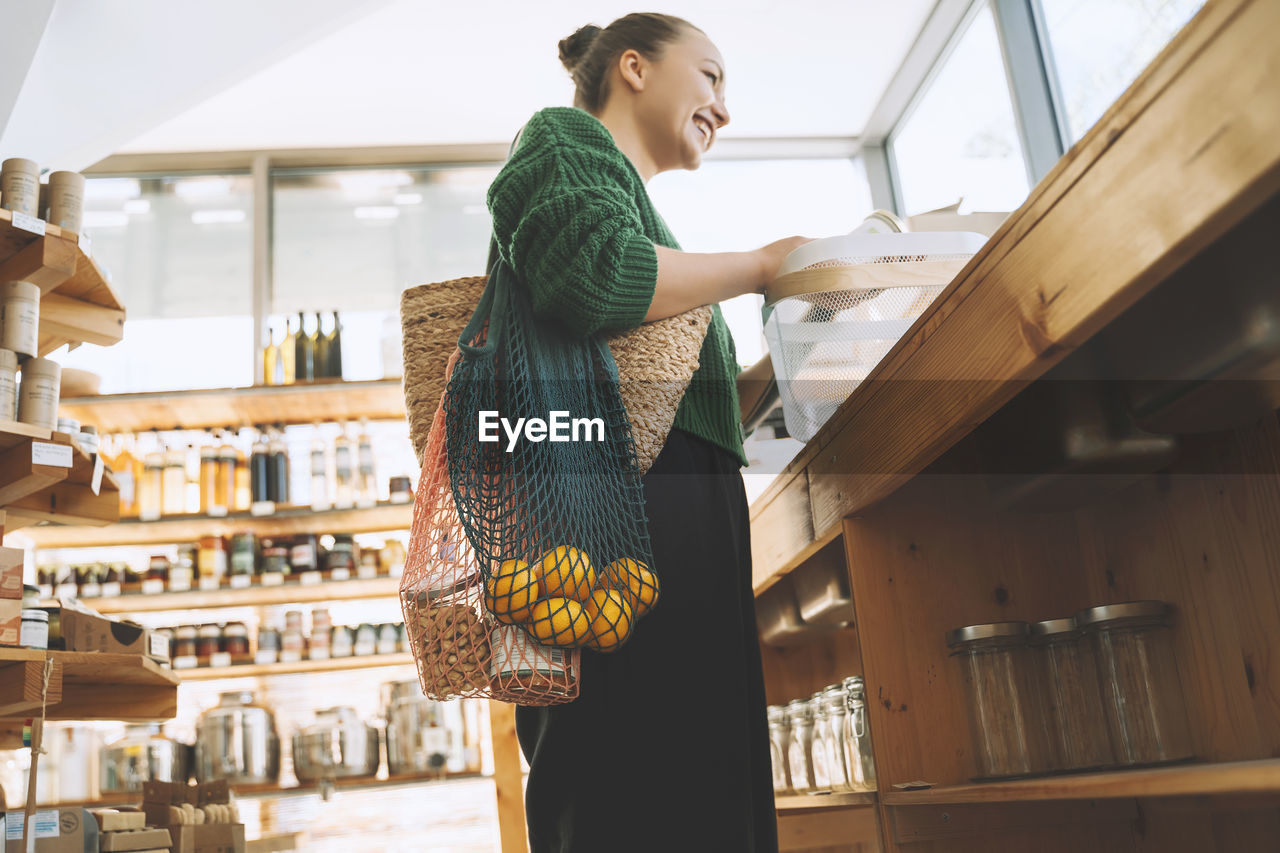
(961, 140)
(1100, 47)
(179, 251)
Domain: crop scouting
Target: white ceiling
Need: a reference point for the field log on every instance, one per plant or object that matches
(417, 72)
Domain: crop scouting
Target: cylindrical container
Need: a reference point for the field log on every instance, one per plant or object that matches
(70, 426)
(388, 639)
(820, 750)
(30, 596)
(237, 741)
(38, 393)
(1142, 696)
(20, 317)
(1008, 735)
(799, 746)
(859, 761)
(244, 554)
(401, 490)
(275, 559)
(342, 556)
(185, 640)
(212, 496)
(151, 491)
(209, 642)
(337, 746)
(211, 564)
(174, 491)
(35, 629)
(1073, 713)
(88, 439)
(268, 644)
(343, 643)
(779, 737)
(66, 200)
(142, 755)
(837, 704)
(419, 738)
(8, 385)
(236, 639)
(20, 186)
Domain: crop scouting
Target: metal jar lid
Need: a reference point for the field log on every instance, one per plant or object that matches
(855, 686)
(987, 631)
(799, 709)
(776, 713)
(1095, 616)
(1052, 627)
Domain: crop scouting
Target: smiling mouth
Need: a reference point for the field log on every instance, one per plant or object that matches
(704, 127)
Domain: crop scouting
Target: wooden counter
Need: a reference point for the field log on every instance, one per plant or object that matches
(1086, 415)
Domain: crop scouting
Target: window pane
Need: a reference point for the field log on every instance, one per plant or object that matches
(961, 139)
(179, 251)
(1101, 46)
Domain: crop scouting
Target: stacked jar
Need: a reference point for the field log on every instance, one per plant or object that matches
(779, 738)
(859, 762)
(800, 746)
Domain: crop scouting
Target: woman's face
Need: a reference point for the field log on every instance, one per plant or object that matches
(682, 103)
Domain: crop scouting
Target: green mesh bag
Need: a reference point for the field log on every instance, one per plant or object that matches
(557, 523)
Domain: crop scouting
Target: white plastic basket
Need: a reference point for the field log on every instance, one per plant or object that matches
(839, 305)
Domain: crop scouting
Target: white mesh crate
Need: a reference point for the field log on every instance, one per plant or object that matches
(839, 305)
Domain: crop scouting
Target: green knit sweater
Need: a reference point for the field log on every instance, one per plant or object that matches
(572, 217)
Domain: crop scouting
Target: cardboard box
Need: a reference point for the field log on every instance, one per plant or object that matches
(134, 839)
(11, 561)
(84, 630)
(158, 797)
(10, 621)
(113, 820)
(52, 831)
(208, 838)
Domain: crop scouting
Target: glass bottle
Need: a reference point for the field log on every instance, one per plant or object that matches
(151, 493)
(271, 365)
(820, 748)
(319, 471)
(334, 369)
(343, 471)
(278, 487)
(833, 696)
(304, 364)
(212, 493)
(228, 462)
(366, 482)
(244, 486)
(128, 470)
(779, 736)
(799, 745)
(259, 464)
(858, 758)
(287, 371)
(322, 349)
(174, 489)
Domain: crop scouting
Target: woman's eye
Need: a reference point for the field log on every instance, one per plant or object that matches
(711, 77)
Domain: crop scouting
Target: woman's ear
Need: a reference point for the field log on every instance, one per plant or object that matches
(634, 69)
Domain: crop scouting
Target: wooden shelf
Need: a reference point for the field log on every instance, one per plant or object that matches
(1236, 778)
(259, 670)
(77, 304)
(254, 596)
(86, 686)
(791, 803)
(325, 401)
(285, 522)
(31, 492)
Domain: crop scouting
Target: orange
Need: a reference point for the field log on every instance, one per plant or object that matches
(610, 617)
(558, 621)
(636, 582)
(510, 593)
(566, 573)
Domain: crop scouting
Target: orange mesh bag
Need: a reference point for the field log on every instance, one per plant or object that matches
(465, 631)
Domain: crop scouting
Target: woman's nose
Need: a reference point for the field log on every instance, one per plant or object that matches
(721, 112)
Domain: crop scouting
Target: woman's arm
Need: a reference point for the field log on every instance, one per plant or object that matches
(688, 280)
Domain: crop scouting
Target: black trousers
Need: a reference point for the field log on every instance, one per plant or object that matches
(666, 748)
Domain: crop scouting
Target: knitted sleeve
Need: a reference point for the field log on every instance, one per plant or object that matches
(566, 220)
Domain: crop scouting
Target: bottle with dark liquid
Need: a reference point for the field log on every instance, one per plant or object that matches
(334, 368)
(260, 469)
(279, 467)
(320, 341)
(304, 366)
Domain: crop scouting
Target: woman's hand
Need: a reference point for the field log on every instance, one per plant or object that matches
(688, 280)
(772, 255)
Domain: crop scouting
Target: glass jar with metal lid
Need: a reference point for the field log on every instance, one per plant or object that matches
(779, 736)
(1142, 696)
(1073, 713)
(800, 719)
(1008, 734)
(837, 713)
(857, 737)
(820, 748)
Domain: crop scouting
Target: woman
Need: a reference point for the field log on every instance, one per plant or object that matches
(666, 748)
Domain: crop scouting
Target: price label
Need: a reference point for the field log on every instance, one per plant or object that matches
(96, 484)
(29, 223)
(340, 574)
(179, 583)
(208, 584)
(241, 581)
(265, 656)
(186, 662)
(310, 579)
(110, 589)
(90, 590)
(55, 455)
(290, 656)
(220, 659)
(86, 245)
(273, 579)
(261, 508)
(365, 571)
(217, 512)
(66, 590)
(152, 586)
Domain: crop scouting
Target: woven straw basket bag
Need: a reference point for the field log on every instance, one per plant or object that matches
(655, 361)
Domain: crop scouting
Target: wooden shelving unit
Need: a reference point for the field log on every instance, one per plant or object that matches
(253, 596)
(286, 521)
(85, 686)
(806, 802)
(261, 670)
(322, 401)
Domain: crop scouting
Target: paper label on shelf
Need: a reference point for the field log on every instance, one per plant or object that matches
(86, 245)
(152, 586)
(217, 512)
(186, 662)
(67, 590)
(220, 659)
(241, 581)
(342, 574)
(290, 656)
(273, 579)
(29, 223)
(177, 583)
(47, 453)
(310, 579)
(90, 590)
(111, 589)
(262, 508)
(365, 572)
(265, 656)
(208, 584)
(95, 485)
(42, 824)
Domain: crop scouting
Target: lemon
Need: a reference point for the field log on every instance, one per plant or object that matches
(566, 573)
(510, 593)
(638, 585)
(610, 617)
(558, 621)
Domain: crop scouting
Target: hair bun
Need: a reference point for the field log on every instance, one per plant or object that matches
(575, 47)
